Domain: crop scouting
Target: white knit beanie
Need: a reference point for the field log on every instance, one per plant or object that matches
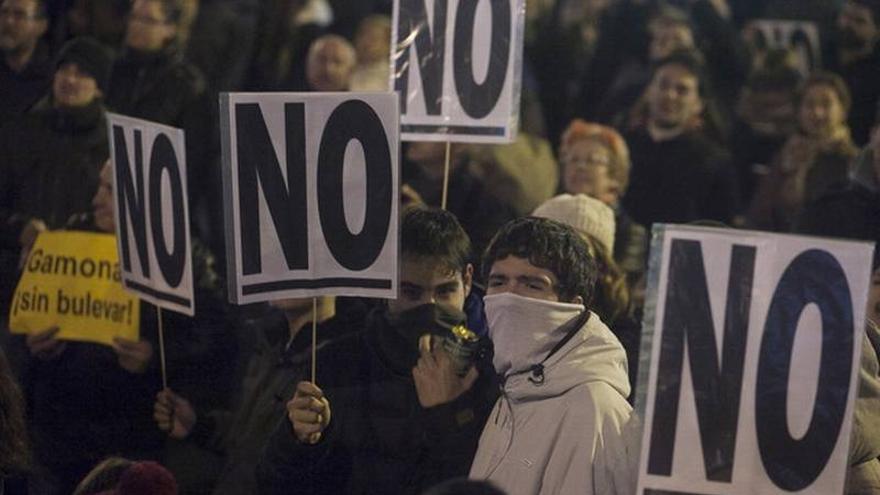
(584, 214)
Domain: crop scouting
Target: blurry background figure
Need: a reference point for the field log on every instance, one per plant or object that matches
(478, 210)
(856, 57)
(595, 161)
(25, 65)
(15, 454)
(561, 39)
(766, 117)
(330, 63)
(680, 172)
(288, 29)
(815, 159)
(103, 20)
(522, 174)
(60, 142)
(372, 42)
(594, 221)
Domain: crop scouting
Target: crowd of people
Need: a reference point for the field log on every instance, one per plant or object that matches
(508, 362)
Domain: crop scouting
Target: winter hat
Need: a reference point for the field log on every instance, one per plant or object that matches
(146, 478)
(584, 214)
(91, 56)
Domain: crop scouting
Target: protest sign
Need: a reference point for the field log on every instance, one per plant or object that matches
(801, 37)
(751, 344)
(457, 66)
(311, 193)
(152, 212)
(72, 280)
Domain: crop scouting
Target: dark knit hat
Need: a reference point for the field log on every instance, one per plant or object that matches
(90, 56)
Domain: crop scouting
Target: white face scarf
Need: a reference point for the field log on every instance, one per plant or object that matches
(524, 330)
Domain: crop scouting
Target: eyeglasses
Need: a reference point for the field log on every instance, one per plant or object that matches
(17, 14)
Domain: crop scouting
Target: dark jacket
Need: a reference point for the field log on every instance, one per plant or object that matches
(84, 407)
(680, 180)
(21, 90)
(275, 366)
(863, 79)
(41, 156)
(380, 440)
(161, 87)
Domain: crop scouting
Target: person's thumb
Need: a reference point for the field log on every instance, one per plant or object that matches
(470, 378)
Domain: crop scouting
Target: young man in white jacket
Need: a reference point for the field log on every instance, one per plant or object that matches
(562, 424)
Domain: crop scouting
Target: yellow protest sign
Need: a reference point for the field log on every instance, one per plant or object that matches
(71, 280)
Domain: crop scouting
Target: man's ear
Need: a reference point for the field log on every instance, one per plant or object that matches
(578, 300)
(468, 279)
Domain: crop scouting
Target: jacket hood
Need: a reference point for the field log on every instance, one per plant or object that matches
(593, 355)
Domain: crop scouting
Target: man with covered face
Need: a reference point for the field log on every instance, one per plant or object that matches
(397, 407)
(562, 424)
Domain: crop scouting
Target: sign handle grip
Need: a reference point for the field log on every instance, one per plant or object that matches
(314, 337)
(446, 175)
(162, 349)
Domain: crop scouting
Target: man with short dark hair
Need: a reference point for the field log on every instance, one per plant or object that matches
(562, 424)
(679, 174)
(397, 407)
(25, 67)
(61, 142)
(857, 60)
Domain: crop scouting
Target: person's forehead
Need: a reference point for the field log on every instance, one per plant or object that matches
(590, 146)
(514, 266)
(28, 6)
(427, 272)
(676, 73)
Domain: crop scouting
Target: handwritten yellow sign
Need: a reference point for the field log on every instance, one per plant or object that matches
(71, 280)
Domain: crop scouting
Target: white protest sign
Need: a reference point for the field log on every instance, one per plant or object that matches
(457, 65)
(801, 37)
(152, 211)
(311, 192)
(754, 364)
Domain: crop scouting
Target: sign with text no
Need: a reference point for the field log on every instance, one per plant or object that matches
(754, 363)
(152, 211)
(457, 65)
(310, 188)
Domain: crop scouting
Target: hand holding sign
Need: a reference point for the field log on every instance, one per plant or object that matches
(44, 346)
(174, 414)
(308, 413)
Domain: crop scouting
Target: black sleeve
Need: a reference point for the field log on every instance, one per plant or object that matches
(286, 462)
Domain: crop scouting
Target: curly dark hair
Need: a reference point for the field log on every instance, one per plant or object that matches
(549, 245)
(15, 454)
(433, 233)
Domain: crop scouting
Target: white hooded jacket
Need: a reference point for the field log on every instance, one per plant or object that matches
(570, 434)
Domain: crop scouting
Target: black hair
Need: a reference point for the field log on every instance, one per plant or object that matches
(549, 245)
(691, 61)
(433, 233)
